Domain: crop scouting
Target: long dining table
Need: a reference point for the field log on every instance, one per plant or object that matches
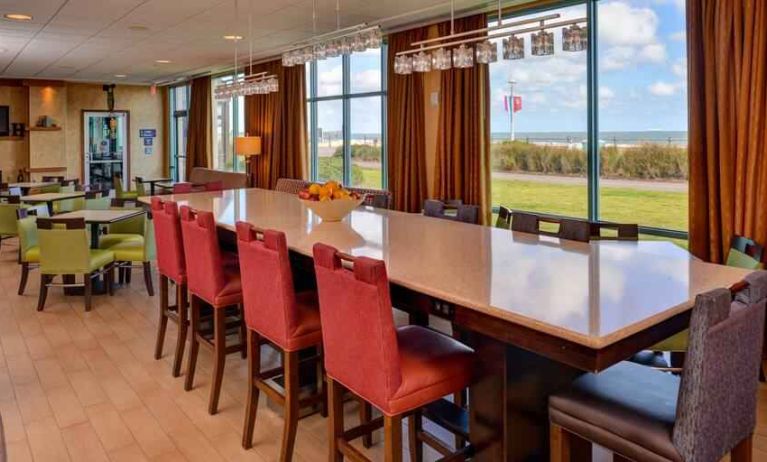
(538, 311)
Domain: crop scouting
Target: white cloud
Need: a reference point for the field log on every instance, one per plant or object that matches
(330, 81)
(660, 88)
(679, 36)
(621, 24)
(679, 68)
(368, 80)
(654, 53)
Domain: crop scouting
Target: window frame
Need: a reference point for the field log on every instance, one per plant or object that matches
(592, 109)
(173, 119)
(346, 96)
(234, 122)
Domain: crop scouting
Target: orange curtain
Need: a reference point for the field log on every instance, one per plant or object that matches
(405, 122)
(462, 168)
(727, 53)
(198, 131)
(280, 119)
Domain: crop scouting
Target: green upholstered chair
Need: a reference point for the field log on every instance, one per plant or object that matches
(69, 205)
(51, 188)
(8, 218)
(132, 241)
(121, 193)
(29, 250)
(140, 189)
(64, 251)
(744, 253)
(96, 200)
(504, 218)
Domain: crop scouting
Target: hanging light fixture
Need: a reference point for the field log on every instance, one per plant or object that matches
(466, 49)
(575, 38)
(422, 62)
(249, 84)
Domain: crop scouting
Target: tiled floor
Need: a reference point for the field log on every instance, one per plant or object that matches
(84, 386)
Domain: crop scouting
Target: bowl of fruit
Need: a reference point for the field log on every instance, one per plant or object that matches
(330, 200)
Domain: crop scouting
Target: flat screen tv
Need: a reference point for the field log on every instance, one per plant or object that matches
(5, 122)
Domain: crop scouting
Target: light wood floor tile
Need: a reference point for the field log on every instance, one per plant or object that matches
(130, 453)
(67, 409)
(83, 444)
(45, 441)
(109, 426)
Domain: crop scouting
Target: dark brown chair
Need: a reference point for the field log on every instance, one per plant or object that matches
(643, 414)
(53, 179)
(454, 210)
(573, 229)
(619, 231)
(504, 218)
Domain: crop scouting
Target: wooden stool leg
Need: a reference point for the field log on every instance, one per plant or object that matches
(88, 289)
(148, 278)
(744, 451)
(24, 276)
(219, 357)
(44, 280)
(336, 420)
(243, 333)
(565, 447)
(183, 326)
(393, 438)
(414, 423)
(109, 280)
(163, 324)
(194, 348)
(290, 367)
(254, 373)
(366, 413)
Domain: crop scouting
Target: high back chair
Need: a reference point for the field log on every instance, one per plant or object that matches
(171, 264)
(120, 191)
(460, 211)
(97, 200)
(566, 228)
(504, 218)
(745, 253)
(643, 414)
(214, 186)
(8, 229)
(64, 250)
(182, 188)
(290, 321)
(29, 250)
(216, 283)
(398, 370)
(139, 183)
(52, 179)
(69, 205)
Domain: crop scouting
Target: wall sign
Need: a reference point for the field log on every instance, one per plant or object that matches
(148, 135)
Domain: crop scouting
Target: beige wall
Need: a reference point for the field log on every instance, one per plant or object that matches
(145, 112)
(13, 153)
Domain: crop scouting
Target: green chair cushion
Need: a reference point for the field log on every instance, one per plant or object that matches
(32, 255)
(739, 259)
(677, 342)
(129, 251)
(100, 258)
(126, 194)
(108, 241)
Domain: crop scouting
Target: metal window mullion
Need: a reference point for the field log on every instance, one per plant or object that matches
(346, 122)
(313, 122)
(384, 115)
(593, 112)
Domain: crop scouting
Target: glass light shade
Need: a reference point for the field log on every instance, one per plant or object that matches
(487, 52)
(542, 43)
(287, 60)
(320, 51)
(403, 65)
(441, 59)
(514, 47)
(332, 49)
(575, 38)
(373, 39)
(247, 146)
(273, 85)
(358, 43)
(345, 45)
(421, 62)
(463, 57)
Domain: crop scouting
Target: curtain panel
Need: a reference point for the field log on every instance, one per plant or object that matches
(280, 120)
(727, 53)
(405, 122)
(462, 167)
(198, 147)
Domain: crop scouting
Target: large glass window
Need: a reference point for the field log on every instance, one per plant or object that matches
(179, 118)
(228, 123)
(545, 151)
(346, 118)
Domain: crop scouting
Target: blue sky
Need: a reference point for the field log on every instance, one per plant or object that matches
(642, 73)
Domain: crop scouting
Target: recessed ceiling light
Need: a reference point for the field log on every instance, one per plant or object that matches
(120, 76)
(233, 37)
(17, 17)
(162, 61)
(138, 28)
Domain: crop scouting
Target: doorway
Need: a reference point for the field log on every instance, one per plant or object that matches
(106, 148)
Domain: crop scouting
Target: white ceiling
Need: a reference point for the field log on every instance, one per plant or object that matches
(92, 40)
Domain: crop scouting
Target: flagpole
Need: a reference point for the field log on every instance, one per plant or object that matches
(511, 109)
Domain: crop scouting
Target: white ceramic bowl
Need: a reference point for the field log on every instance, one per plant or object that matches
(333, 210)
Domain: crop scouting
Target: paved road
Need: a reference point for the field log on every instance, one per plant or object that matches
(646, 185)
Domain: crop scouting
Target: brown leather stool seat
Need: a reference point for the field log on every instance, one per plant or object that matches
(628, 407)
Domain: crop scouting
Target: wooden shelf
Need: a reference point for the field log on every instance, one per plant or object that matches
(11, 138)
(44, 129)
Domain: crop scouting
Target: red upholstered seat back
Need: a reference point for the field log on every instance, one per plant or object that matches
(358, 335)
(205, 271)
(267, 283)
(182, 188)
(169, 244)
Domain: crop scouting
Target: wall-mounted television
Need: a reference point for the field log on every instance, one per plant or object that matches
(5, 121)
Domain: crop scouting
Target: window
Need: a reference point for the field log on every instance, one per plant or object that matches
(228, 123)
(346, 118)
(179, 107)
(628, 118)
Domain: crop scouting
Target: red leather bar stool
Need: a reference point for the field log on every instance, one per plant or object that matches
(288, 321)
(171, 265)
(398, 370)
(210, 280)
